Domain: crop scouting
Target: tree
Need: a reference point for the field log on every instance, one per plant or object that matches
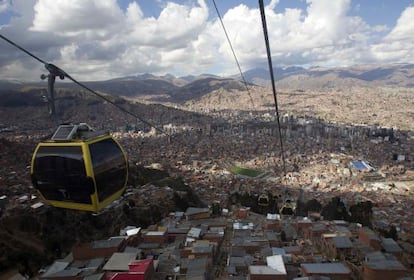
(283, 237)
(392, 233)
(216, 209)
(361, 213)
(335, 210)
(180, 202)
(313, 205)
(301, 209)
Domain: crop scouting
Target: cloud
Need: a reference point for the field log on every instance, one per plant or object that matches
(97, 39)
(398, 44)
(92, 18)
(323, 34)
(4, 5)
(380, 28)
(405, 26)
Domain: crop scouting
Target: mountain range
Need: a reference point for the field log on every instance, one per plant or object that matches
(401, 75)
(171, 89)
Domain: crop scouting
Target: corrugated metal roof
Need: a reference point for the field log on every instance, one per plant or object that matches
(326, 268)
(278, 251)
(342, 242)
(390, 245)
(313, 278)
(202, 249)
(97, 276)
(374, 257)
(290, 249)
(276, 262)
(134, 250)
(109, 243)
(70, 272)
(194, 232)
(193, 211)
(94, 263)
(55, 267)
(195, 266)
(262, 269)
(119, 261)
(386, 265)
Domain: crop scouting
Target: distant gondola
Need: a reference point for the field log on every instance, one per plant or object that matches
(79, 168)
(263, 200)
(288, 207)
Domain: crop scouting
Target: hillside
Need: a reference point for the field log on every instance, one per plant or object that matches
(24, 120)
(364, 94)
(392, 75)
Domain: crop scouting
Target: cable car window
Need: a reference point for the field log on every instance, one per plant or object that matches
(287, 211)
(59, 174)
(109, 167)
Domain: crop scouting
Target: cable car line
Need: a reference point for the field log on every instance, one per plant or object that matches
(22, 49)
(56, 71)
(234, 54)
(270, 69)
(269, 59)
(98, 185)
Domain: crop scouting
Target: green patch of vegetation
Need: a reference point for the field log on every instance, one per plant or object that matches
(245, 171)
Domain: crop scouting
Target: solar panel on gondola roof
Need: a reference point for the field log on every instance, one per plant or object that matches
(65, 132)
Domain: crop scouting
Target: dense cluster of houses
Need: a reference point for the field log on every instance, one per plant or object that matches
(330, 161)
(236, 245)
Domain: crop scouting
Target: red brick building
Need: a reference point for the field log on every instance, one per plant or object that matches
(335, 271)
(193, 213)
(367, 236)
(100, 248)
(155, 236)
(384, 270)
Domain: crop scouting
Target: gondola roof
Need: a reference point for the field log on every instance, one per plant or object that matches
(76, 132)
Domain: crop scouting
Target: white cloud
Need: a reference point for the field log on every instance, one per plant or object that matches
(96, 39)
(398, 45)
(405, 26)
(4, 5)
(93, 18)
(380, 28)
(323, 34)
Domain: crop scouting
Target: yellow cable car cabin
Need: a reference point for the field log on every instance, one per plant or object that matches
(288, 207)
(79, 168)
(263, 200)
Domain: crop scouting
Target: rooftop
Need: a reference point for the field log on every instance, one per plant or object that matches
(119, 262)
(326, 268)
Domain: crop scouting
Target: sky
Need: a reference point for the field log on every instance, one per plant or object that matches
(104, 39)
